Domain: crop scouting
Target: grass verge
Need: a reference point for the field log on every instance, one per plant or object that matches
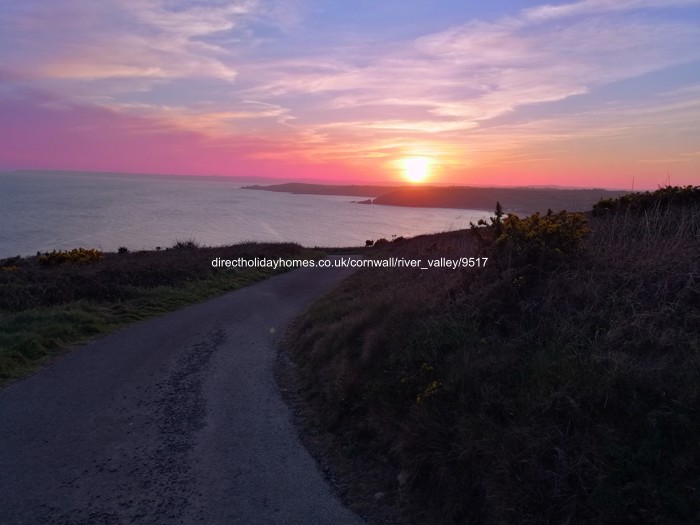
(52, 301)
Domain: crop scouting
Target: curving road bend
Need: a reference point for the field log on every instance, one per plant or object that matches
(176, 420)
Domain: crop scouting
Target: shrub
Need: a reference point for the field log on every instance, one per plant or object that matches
(10, 261)
(642, 202)
(542, 239)
(187, 244)
(74, 256)
(123, 249)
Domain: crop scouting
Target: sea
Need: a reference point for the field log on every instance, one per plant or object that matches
(44, 211)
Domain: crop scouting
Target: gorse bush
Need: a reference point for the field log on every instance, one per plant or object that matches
(542, 239)
(74, 256)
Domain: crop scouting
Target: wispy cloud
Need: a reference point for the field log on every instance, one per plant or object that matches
(455, 83)
(150, 39)
(588, 7)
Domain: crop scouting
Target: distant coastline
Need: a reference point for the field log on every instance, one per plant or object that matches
(514, 200)
(303, 188)
(52, 210)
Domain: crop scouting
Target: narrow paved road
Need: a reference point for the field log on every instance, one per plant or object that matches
(176, 420)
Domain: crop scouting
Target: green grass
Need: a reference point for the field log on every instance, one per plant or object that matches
(560, 384)
(45, 307)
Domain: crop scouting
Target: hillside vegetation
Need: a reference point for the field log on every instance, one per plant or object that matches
(55, 299)
(557, 385)
(515, 200)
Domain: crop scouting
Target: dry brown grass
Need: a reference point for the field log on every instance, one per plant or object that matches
(517, 394)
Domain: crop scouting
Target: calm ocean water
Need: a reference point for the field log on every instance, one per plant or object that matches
(46, 211)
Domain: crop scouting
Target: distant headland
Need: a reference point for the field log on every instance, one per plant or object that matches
(515, 200)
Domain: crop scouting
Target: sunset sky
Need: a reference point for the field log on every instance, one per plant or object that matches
(591, 93)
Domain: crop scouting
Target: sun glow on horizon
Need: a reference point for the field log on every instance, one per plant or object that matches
(427, 93)
(416, 169)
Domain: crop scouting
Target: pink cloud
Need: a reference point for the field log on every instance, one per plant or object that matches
(42, 132)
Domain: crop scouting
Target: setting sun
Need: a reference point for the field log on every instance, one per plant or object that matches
(416, 169)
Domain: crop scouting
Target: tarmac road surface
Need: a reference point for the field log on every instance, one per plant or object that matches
(175, 420)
